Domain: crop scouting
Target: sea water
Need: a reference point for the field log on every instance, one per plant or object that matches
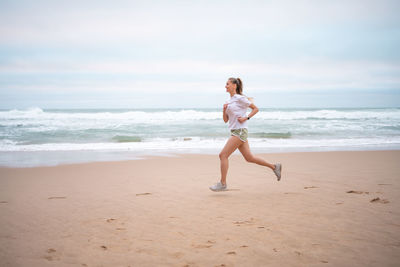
(37, 136)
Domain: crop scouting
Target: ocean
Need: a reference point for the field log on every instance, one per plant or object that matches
(36, 137)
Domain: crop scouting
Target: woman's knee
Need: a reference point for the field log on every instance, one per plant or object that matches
(223, 155)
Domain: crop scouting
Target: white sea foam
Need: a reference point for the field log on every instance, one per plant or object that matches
(198, 144)
(137, 116)
(193, 115)
(192, 129)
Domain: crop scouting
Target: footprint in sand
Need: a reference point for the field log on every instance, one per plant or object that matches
(112, 220)
(378, 200)
(247, 222)
(3, 202)
(231, 253)
(49, 257)
(357, 192)
(201, 246)
(104, 247)
(143, 194)
(57, 197)
(209, 244)
(307, 187)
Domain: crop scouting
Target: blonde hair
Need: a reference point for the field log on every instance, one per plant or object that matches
(239, 84)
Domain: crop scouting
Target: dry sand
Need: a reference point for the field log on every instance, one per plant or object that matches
(160, 212)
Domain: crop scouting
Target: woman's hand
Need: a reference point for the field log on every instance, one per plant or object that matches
(242, 119)
(224, 115)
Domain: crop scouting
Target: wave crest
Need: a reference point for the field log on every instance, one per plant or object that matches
(271, 135)
(126, 139)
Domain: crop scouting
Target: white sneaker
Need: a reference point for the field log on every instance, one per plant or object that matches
(278, 170)
(218, 187)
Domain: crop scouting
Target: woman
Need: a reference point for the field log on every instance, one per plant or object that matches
(234, 111)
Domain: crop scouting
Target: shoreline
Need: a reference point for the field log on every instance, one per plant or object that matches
(37, 137)
(329, 209)
(29, 159)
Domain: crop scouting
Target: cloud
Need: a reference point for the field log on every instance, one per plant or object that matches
(188, 46)
(91, 22)
(183, 75)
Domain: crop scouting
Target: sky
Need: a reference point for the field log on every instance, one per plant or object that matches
(179, 54)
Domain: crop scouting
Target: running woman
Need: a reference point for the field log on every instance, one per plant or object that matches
(234, 112)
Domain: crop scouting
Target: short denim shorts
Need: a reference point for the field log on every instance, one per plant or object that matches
(242, 133)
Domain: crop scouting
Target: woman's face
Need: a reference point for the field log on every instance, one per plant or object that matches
(230, 87)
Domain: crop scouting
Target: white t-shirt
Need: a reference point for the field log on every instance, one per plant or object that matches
(237, 107)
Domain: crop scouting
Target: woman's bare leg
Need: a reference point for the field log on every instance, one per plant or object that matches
(245, 150)
(231, 145)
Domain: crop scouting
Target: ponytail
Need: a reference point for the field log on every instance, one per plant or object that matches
(239, 85)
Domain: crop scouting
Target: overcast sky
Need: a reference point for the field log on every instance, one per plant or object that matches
(135, 54)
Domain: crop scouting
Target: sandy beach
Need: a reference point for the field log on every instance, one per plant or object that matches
(329, 209)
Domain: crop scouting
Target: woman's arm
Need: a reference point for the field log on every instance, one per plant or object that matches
(254, 110)
(224, 115)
